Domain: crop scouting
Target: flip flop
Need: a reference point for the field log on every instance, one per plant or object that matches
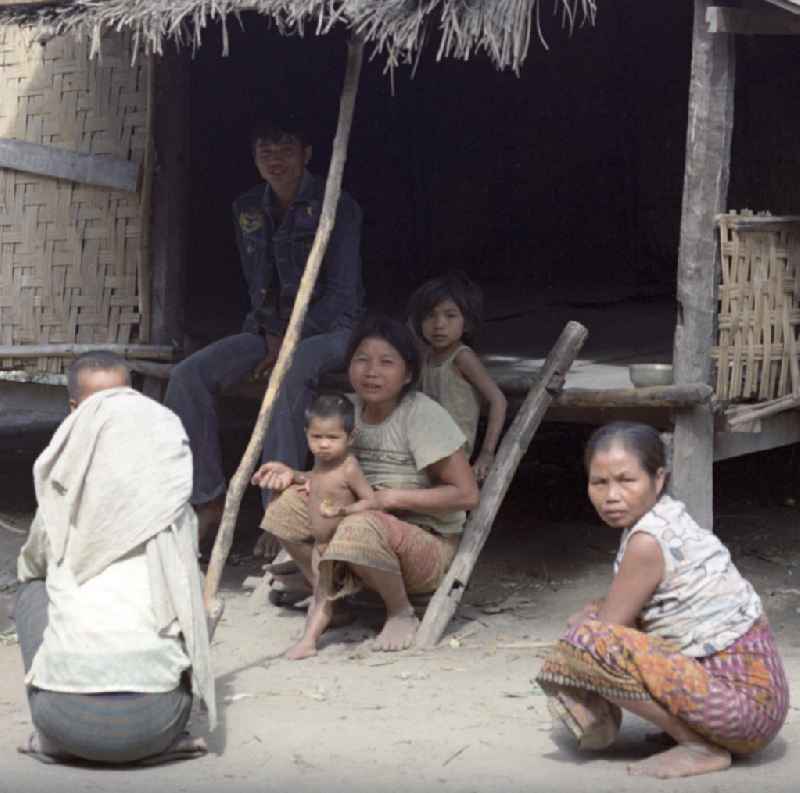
(32, 748)
(288, 567)
(599, 725)
(285, 599)
(184, 748)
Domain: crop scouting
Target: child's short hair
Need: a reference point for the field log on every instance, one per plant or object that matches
(326, 406)
(456, 286)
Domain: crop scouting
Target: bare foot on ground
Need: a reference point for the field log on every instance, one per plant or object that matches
(398, 633)
(683, 760)
(300, 651)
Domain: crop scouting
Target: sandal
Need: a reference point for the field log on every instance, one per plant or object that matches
(593, 721)
(184, 748)
(286, 599)
(33, 748)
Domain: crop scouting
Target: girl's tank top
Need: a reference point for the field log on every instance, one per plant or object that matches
(445, 383)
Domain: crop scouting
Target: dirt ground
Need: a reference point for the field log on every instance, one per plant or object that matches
(466, 716)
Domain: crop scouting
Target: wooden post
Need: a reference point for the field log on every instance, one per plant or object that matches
(169, 215)
(514, 445)
(705, 192)
(333, 187)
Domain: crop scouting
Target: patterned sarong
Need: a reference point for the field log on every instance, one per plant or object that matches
(372, 539)
(737, 698)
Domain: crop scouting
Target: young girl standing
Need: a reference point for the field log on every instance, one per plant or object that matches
(445, 313)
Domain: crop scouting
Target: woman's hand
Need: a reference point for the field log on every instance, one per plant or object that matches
(274, 476)
(482, 465)
(378, 501)
(591, 608)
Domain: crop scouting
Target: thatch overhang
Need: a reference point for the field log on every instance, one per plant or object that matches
(397, 29)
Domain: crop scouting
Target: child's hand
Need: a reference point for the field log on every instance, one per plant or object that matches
(329, 509)
(273, 476)
(482, 465)
(305, 487)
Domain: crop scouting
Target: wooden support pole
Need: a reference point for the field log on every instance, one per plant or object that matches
(333, 187)
(168, 217)
(705, 191)
(514, 445)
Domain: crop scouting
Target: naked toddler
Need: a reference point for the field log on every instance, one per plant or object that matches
(336, 487)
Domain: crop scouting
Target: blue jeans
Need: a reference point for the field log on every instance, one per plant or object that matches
(197, 381)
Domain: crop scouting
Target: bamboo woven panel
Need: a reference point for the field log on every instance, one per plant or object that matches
(73, 258)
(759, 311)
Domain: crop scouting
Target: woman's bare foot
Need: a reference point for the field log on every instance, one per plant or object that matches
(688, 759)
(398, 633)
(300, 651)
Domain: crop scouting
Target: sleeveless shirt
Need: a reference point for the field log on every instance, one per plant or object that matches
(703, 604)
(444, 383)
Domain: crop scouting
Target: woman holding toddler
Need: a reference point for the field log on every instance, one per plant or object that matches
(402, 539)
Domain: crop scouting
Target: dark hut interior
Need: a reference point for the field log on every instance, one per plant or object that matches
(560, 186)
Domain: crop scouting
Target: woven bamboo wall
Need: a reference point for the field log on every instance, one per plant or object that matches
(759, 311)
(73, 258)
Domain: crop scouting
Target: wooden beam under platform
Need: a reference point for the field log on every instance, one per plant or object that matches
(147, 351)
(762, 435)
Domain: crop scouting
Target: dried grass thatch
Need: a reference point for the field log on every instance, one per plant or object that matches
(397, 29)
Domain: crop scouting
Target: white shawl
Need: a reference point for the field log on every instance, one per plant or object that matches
(118, 474)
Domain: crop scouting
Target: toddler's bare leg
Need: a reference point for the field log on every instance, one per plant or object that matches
(319, 617)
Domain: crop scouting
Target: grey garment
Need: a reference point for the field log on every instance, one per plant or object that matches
(196, 383)
(103, 728)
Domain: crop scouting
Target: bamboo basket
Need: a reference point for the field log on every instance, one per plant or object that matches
(74, 261)
(759, 308)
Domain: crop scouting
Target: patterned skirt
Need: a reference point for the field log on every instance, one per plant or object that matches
(371, 539)
(737, 698)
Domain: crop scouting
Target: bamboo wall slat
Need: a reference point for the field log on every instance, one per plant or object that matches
(73, 258)
(759, 311)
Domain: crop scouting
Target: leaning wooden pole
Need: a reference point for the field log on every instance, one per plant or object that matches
(513, 447)
(333, 187)
(705, 192)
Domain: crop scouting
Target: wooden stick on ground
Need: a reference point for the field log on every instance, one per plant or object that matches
(333, 186)
(514, 445)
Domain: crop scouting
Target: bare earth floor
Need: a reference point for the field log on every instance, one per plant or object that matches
(464, 717)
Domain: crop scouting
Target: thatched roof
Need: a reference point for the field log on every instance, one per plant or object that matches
(397, 28)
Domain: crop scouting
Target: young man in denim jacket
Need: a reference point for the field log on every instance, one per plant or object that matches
(275, 225)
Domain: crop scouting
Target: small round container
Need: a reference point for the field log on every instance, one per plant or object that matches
(649, 374)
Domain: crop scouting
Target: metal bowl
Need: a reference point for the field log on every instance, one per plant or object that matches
(647, 374)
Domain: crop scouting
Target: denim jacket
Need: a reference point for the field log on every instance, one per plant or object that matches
(273, 260)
